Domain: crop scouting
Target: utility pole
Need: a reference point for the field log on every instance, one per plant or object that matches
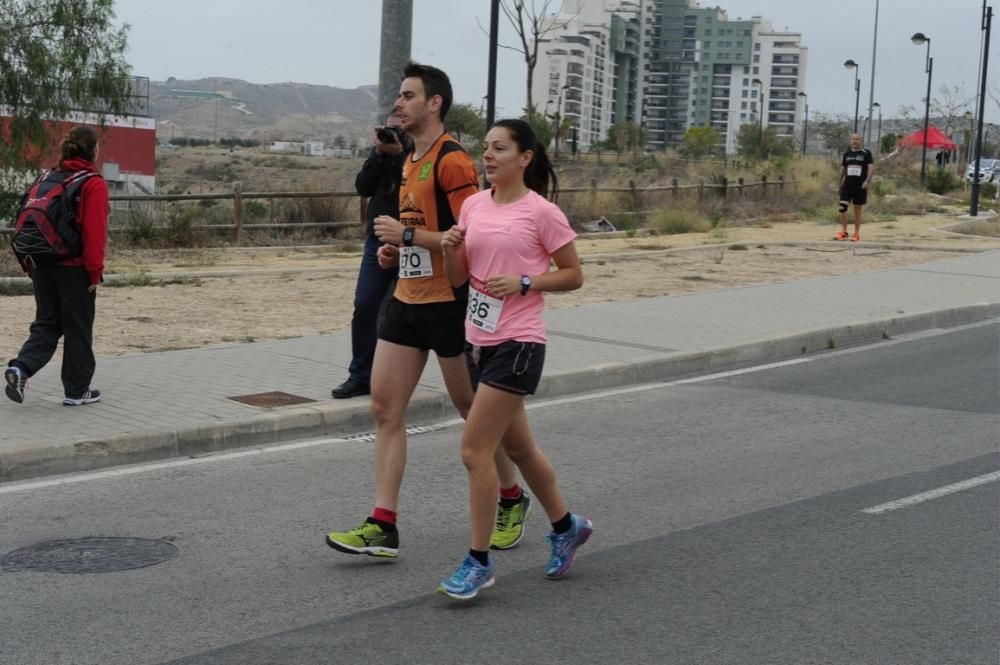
(871, 91)
(394, 52)
(491, 74)
(987, 23)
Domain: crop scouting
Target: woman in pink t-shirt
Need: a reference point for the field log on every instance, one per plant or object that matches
(505, 242)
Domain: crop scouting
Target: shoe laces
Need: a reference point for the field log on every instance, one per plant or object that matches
(504, 516)
(468, 569)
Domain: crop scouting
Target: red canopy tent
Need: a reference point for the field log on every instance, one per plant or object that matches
(936, 140)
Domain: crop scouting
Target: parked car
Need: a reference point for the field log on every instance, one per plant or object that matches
(989, 170)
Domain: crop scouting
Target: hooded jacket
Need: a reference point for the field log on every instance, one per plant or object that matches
(92, 216)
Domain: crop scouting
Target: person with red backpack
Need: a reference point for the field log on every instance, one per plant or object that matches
(59, 238)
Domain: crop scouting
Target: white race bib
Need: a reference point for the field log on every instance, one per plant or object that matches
(854, 170)
(415, 262)
(484, 310)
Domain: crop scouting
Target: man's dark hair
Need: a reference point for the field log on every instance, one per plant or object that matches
(435, 83)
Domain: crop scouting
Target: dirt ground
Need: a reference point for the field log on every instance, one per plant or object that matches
(291, 292)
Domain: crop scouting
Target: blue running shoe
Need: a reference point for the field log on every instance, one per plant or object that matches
(564, 546)
(468, 579)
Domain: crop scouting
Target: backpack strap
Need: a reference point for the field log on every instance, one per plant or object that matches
(446, 219)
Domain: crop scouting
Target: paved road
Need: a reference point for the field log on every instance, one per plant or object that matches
(729, 530)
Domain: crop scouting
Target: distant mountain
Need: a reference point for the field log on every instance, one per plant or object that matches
(224, 107)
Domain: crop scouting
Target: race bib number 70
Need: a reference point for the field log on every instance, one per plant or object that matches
(415, 262)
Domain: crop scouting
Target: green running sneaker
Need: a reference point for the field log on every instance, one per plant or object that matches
(369, 538)
(509, 528)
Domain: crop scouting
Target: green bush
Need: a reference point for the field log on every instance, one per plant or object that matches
(882, 187)
(987, 190)
(671, 221)
(942, 182)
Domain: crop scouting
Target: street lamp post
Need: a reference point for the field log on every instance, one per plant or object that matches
(760, 115)
(919, 39)
(805, 124)
(878, 140)
(987, 23)
(559, 113)
(850, 64)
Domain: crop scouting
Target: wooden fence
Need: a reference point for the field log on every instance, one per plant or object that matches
(721, 188)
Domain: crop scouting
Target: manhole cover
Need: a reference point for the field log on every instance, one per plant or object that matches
(276, 398)
(88, 555)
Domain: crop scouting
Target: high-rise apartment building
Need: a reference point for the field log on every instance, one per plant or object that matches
(588, 68)
(699, 68)
(668, 65)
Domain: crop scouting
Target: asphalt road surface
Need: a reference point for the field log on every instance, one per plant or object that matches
(730, 527)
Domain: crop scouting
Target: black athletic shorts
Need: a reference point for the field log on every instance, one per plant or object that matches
(438, 326)
(515, 367)
(855, 194)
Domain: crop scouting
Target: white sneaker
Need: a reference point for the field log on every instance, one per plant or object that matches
(88, 397)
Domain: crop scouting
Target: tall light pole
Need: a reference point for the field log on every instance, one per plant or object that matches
(871, 91)
(850, 64)
(760, 115)
(878, 141)
(805, 125)
(920, 39)
(395, 40)
(491, 67)
(559, 113)
(987, 22)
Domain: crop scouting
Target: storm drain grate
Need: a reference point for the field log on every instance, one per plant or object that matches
(275, 398)
(88, 555)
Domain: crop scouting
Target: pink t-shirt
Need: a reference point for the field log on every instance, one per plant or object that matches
(515, 238)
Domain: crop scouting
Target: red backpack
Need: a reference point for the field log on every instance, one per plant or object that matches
(46, 229)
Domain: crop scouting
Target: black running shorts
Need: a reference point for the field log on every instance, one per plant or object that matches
(438, 326)
(855, 194)
(515, 367)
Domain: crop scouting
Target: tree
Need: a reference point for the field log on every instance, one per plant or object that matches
(624, 136)
(833, 130)
(339, 142)
(950, 106)
(888, 143)
(531, 23)
(466, 123)
(57, 56)
(763, 144)
(540, 125)
(700, 142)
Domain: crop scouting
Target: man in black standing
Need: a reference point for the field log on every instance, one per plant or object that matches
(856, 170)
(378, 179)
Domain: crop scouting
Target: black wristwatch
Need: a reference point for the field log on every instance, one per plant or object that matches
(408, 234)
(525, 284)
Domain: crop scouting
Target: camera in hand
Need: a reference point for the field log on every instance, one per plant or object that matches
(389, 134)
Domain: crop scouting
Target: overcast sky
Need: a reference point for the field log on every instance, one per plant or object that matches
(335, 42)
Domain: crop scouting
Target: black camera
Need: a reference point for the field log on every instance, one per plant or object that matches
(389, 134)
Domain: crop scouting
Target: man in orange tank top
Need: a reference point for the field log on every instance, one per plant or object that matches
(424, 314)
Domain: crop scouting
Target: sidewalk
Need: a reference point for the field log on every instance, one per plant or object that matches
(179, 403)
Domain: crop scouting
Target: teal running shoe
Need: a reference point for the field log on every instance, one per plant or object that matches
(468, 579)
(564, 546)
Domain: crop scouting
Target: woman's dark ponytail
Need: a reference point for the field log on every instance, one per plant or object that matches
(539, 176)
(79, 142)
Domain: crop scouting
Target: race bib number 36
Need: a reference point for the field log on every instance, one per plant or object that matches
(854, 170)
(415, 262)
(484, 310)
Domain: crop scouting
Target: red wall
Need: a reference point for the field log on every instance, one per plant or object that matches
(133, 148)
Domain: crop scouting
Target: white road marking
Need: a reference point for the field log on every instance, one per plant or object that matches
(932, 494)
(71, 479)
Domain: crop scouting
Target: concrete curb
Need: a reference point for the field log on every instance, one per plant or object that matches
(347, 419)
